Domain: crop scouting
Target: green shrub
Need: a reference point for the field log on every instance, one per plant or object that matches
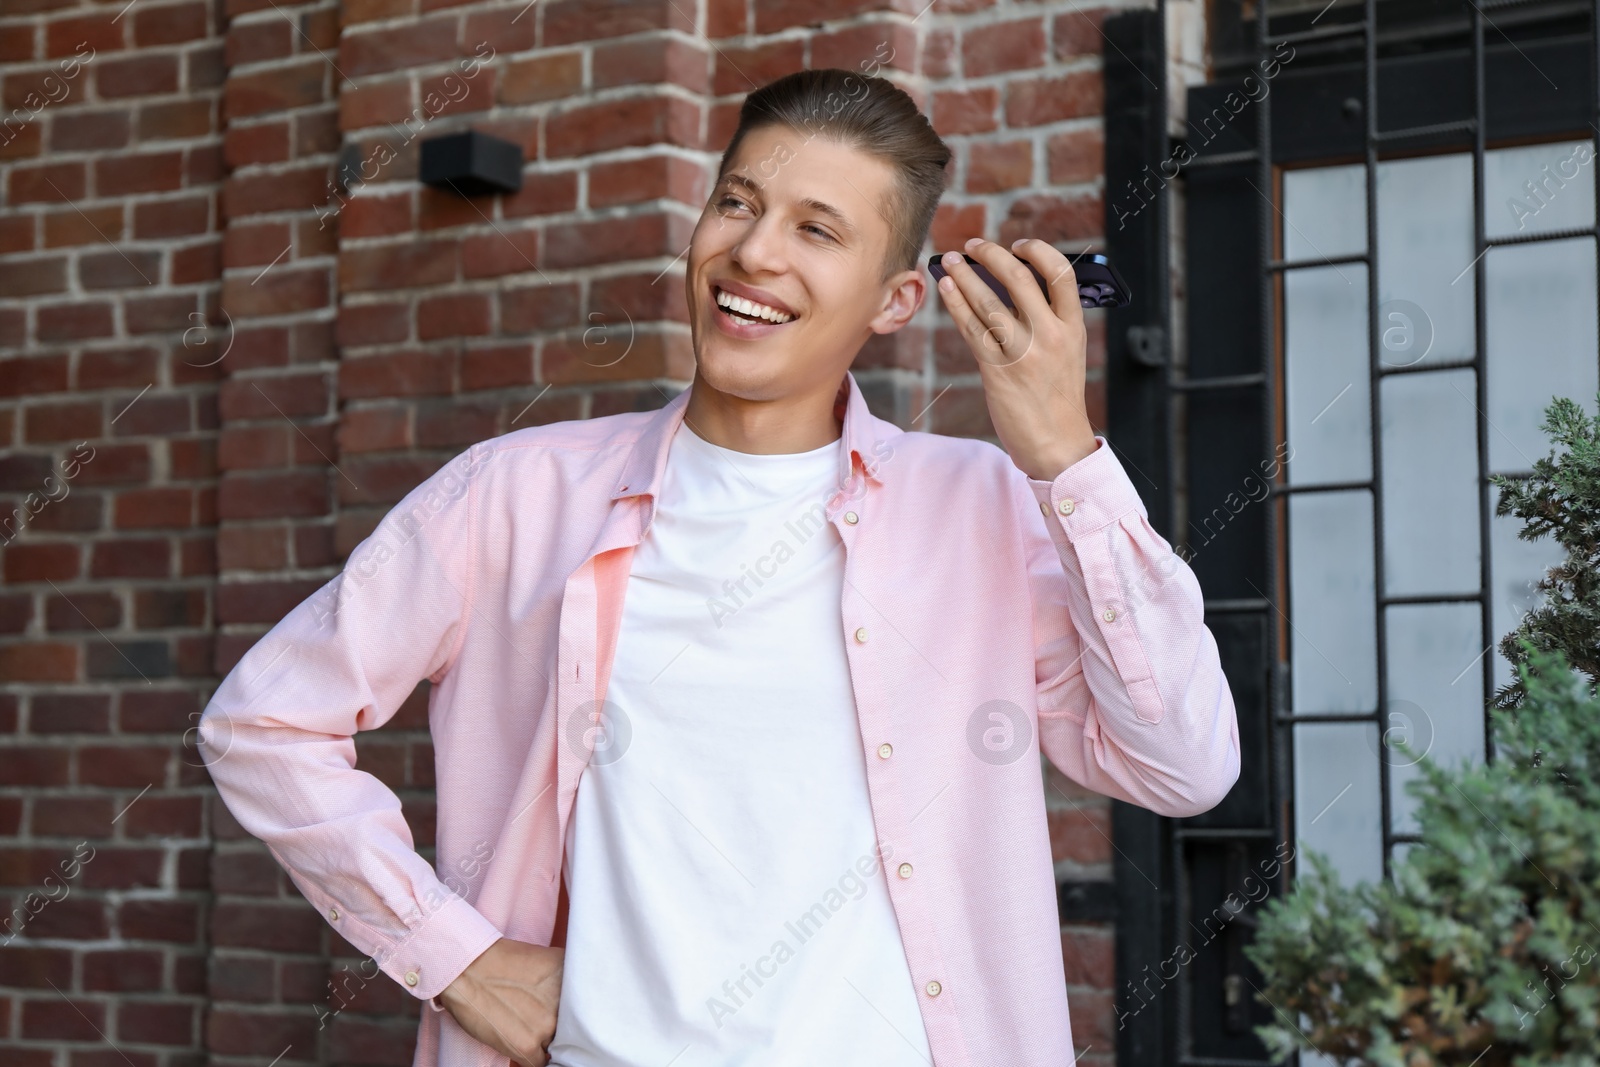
(1483, 948)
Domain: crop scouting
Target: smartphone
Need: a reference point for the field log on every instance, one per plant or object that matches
(1099, 284)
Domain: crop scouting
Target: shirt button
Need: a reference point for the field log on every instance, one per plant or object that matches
(333, 913)
(851, 517)
(1065, 507)
(1044, 509)
(861, 635)
(884, 750)
(1110, 615)
(905, 870)
(933, 989)
(411, 978)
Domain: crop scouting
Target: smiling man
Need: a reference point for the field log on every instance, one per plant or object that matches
(739, 704)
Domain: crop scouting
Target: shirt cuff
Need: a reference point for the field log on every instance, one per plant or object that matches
(439, 948)
(1089, 495)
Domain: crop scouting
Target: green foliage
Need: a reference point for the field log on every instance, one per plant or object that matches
(1483, 948)
(1561, 499)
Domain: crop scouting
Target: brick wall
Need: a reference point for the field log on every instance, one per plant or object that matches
(222, 363)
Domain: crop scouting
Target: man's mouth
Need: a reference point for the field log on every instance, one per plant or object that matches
(740, 310)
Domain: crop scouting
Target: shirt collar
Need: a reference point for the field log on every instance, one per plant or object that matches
(862, 430)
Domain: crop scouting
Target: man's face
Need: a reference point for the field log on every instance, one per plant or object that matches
(768, 227)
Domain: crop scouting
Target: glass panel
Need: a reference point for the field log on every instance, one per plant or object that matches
(1326, 375)
(1336, 810)
(1424, 239)
(1514, 566)
(1324, 212)
(1538, 188)
(1332, 603)
(1430, 483)
(1435, 698)
(1542, 342)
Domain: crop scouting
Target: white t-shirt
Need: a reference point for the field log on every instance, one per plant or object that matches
(727, 906)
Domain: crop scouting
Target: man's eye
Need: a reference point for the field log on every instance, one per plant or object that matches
(725, 201)
(819, 231)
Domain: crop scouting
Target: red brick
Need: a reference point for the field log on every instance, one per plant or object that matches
(169, 24)
(76, 421)
(651, 60)
(82, 611)
(252, 548)
(634, 120)
(966, 110)
(38, 662)
(176, 120)
(41, 562)
(67, 816)
(257, 924)
(173, 921)
(131, 558)
(274, 396)
(572, 21)
(610, 240)
(377, 429)
(152, 172)
(1079, 33)
(555, 76)
(74, 322)
(634, 180)
(278, 291)
(259, 142)
(139, 75)
(291, 190)
(273, 496)
(172, 218)
(276, 89)
(260, 601)
(32, 277)
(737, 68)
(373, 324)
(376, 103)
(410, 373)
(542, 194)
(455, 423)
(404, 266)
(527, 309)
(108, 368)
(88, 131)
(83, 226)
(1081, 834)
(1089, 953)
(123, 971)
(1054, 218)
(258, 41)
(100, 31)
(996, 167)
(164, 816)
(63, 1018)
(452, 94)
(119, 269)
(161, 507)
(1036, 101)
(496, 367)
(1002, 46)
(29, 765)
(1076, 156)
(455, 315)
(117, 464)
(16, 43)
(865, 45)
(429, 40)
(47, 182)
(510, 29)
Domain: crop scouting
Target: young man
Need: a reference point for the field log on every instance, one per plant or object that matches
(758, 682)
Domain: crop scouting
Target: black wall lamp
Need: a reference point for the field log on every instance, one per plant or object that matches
(471, 163)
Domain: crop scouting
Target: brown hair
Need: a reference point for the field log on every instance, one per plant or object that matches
(868, 113)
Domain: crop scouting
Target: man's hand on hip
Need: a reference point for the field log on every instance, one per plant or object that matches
(507, 999)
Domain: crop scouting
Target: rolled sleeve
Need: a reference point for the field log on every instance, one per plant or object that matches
(278, 735)
(1132, 700)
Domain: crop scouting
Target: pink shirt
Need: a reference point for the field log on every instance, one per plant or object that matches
(988, 617)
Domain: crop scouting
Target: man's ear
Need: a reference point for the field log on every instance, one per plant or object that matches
(905, 293)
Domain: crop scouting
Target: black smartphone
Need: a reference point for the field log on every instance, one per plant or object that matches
(1099, 284)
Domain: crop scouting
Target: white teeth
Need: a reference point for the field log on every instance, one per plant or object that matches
(750, 307)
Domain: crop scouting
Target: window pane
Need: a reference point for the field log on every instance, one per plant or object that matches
(1332, 603)
(1538, 188)
(1324, 212)
(1336, 809)
(1424, 240)
(1542, 342)
(1326, 376)
(1430, 483)
(1435, 699)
